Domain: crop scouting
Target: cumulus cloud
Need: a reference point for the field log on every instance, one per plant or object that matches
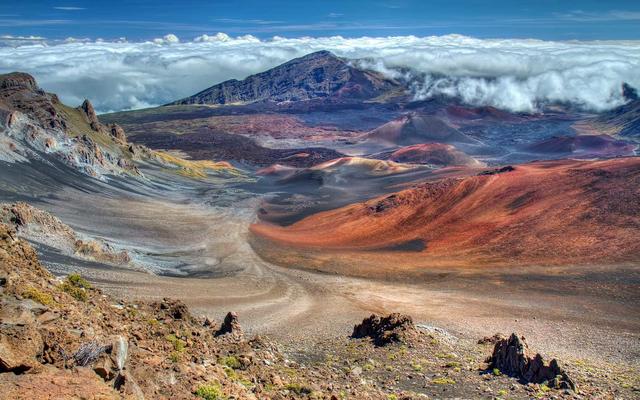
(167, 39)
(518, 75)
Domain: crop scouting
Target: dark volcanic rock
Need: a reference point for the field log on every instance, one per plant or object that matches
(90, 114)
(512, 357)
(319, 75)
(231, 325)
(20, 92)
(629, 92)
(118, 133)
(174, 309)
(384, 330)
(502, 170)
(18, 80)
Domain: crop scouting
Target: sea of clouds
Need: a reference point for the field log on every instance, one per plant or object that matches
(512, 74)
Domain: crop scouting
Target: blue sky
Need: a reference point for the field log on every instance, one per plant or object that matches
(143, 19)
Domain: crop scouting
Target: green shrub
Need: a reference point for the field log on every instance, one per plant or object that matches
(174, 356)
(38, 295)
(78, 281)
(298, 388)
(452, 364)
(178, 344)
(76, 292)
(76, 286)
(230, 361)
(368, 366)
(210, 391)
(230, 372)
(496, 372)
(443, 381)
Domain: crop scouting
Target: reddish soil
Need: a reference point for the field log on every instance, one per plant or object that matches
(543, 213)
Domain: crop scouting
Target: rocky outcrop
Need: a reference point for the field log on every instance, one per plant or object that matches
(385, 330)
(316, 76)
(117, 133)
(20, 92)
(230, 326)
(173, 309)
(18, 80)
(512, 357)
(90, 114)
(34, 123)
(42, 227)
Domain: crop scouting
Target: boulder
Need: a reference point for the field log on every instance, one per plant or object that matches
(231, 325)
(512, 357)
(117, 133)
(174, 309)
(384, 330)
(20, 345)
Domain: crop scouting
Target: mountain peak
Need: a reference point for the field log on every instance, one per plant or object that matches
(318, 54)
(319, 75)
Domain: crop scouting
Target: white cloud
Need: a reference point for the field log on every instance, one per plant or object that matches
(511, 74)
(167, 39)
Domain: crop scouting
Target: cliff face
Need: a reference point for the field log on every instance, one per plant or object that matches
(319, 75)
(20, 92)
(34, 123)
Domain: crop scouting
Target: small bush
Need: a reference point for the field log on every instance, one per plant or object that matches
(230, 361)
(298, 388)
(443, 381)
(76, 292)
(174, 356)
(368, 366)
(76, 286)
(178, 344)
(452, 364)
(496, 372)
(38, 295)
(78, 281)
(230, 372)
(211, 391)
